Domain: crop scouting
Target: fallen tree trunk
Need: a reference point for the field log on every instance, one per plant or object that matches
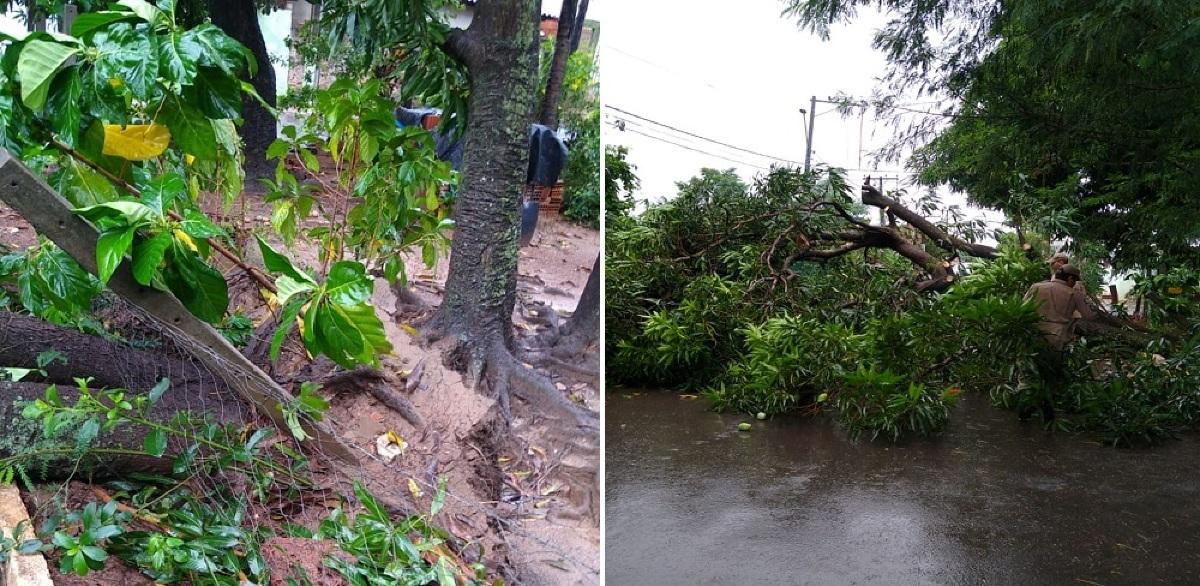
(109, 365)
(112, 454)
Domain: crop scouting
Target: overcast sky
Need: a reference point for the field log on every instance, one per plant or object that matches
(736, 73)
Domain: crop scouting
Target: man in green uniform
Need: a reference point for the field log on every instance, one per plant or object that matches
(1059, 301)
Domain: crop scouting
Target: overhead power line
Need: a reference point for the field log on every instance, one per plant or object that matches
(686, 147)
(625, 123)
(712, 140)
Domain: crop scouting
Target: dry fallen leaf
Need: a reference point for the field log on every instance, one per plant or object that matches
(389, 446)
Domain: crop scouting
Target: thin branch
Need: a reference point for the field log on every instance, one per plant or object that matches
(216, 246)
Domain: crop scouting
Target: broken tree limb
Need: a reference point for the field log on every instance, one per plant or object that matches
(52, 217)
(873, 197)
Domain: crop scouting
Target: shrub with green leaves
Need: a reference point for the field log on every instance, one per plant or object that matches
(880, 402)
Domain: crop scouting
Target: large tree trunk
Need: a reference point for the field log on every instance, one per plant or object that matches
(577, 30)
(500, 53)
(558, 65)
(583, 329)
(239, 19)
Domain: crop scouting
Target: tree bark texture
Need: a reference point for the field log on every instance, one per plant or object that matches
(500, 52)
(558, 64)
(577, 30)
(583, 328)
(239, 19)
(109, 365)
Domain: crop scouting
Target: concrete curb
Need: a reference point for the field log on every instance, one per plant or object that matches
(20, 570)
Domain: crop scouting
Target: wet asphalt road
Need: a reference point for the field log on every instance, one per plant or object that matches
(691, 500)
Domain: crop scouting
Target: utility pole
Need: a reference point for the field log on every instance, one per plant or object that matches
(882, 214)
(812, 114)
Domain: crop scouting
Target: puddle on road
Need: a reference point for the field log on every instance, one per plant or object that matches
(992, 501)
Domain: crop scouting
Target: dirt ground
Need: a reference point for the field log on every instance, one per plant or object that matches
(525, 502)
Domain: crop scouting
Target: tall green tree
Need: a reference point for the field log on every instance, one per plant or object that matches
(1083, 112)
(239, 19)
(498, 56)
(558, 64)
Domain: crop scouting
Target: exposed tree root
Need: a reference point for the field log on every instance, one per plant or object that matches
(375, 382)
(549, 360)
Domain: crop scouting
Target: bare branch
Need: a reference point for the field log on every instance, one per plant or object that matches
(873, 197)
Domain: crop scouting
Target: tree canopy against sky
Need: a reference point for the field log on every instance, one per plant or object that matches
(1084, 112)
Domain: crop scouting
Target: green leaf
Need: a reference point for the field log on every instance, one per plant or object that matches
(79, 563)
(445, 576)
(71, 288)
(201, 288)
(111, 249)
(157, 392)
(278, 263)
(287, 320)
(125, 55)
(90, 21)
(287, 288)
(278, 149)
(161, 192)
(191, 130)
(94, 552)
(310, 161)
(148, 255)
(66, 93)
(216, 93)
(197, 225)
(348, 283)
(212, 47)
(374, 509)
(82, 186)
(439, 499)
(155, 443)
(369, 326)
(87, 432)
(173, 65)
(337, 337)
(145, 10)
(132, 213)
(38, 62)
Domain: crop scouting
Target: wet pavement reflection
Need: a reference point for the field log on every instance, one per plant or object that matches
(691, 500)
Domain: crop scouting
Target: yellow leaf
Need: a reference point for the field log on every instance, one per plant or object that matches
(414, 489)
(1174, 290)
(189, 158)
(115, 83)
(411, 330)
(136, 142)
(183, 237)
(396, 439)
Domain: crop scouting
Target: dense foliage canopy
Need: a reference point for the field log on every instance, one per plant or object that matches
(1078, 118)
